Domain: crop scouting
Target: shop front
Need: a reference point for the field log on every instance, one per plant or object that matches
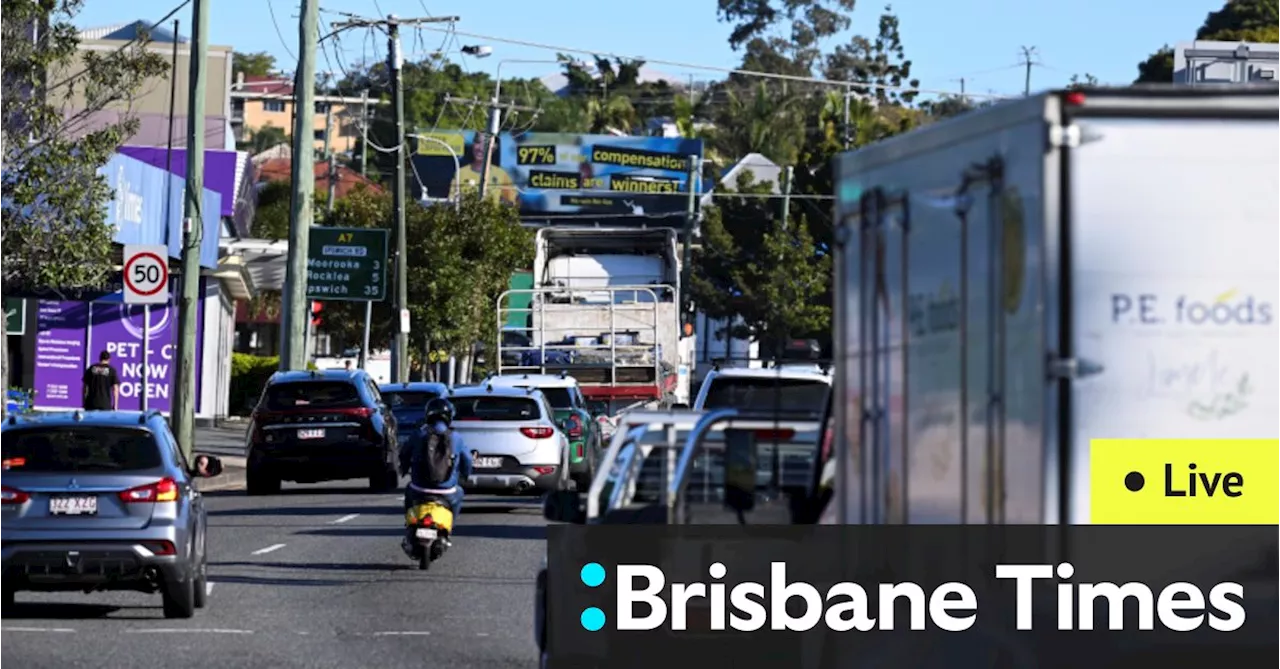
(64, 331)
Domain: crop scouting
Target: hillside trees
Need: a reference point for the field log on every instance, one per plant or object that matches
(54, 205)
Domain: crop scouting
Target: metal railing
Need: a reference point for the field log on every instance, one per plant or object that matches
(646, 352)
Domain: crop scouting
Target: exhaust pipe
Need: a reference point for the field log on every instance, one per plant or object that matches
(523, 486)
(152, 575)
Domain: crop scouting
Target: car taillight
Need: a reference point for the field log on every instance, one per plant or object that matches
(545, 470)
(164, 490)
(827, 439)
(358, 412)
(160, 547)
(575, 427)
(537, 432)
(13, 496)
(775, 435)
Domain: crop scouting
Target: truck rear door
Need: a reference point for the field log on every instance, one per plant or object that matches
(1169, 277)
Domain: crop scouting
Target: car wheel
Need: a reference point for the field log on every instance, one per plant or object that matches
(259, 482)
(179, 598)
(9, 596)
(202, 583)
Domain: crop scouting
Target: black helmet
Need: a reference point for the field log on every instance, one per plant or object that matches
(440, 408)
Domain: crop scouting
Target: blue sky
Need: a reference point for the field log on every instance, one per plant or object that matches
(979, 40)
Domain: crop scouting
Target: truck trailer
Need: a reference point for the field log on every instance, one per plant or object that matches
(1017, 281)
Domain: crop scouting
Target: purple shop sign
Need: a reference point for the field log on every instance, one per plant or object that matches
(118, 329)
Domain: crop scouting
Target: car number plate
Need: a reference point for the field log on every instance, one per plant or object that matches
(427, 533)
(487, 463)
(73, 505)
(311, 434)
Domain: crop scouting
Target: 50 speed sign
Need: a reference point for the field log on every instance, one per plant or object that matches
(146, 274)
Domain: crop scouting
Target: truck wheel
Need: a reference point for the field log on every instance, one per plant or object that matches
(179, 599)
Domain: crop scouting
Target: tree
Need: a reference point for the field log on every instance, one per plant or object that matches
(55, 201)
(258, 64)
(791, 30)
(1237, 21)
(757, 267)
(880, 61)
(266, 137)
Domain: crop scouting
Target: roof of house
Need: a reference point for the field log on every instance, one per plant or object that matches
(125, 32)
(280, 169)
(265, 84)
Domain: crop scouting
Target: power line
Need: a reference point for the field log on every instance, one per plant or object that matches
(137, 38)
(272, 10)
(709, 68)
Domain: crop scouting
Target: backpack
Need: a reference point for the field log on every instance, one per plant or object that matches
(433, 461)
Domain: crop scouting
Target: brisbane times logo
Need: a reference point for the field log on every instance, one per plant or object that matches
(645, 600)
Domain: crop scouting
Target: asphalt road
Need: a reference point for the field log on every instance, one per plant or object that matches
(313, 577)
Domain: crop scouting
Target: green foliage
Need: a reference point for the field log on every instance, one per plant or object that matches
(459, 261)
(1237, 21)
(258, 64)
(1079, 81)
(54, 212)
(249, 373)
(756, 266)
(266, 137)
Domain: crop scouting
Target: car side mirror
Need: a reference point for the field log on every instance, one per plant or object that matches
(564, 506)
(206, 466)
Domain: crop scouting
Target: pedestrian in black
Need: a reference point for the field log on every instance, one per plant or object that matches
(101, 385)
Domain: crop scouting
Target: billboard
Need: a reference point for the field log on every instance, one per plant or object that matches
(69, 336)
(560, 173)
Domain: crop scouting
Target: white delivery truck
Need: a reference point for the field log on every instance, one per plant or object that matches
(605, 309)
(1017, 281)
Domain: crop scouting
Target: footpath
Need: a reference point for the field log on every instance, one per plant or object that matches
(227, 443)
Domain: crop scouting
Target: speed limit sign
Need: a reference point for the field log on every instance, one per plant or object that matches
(146, 274)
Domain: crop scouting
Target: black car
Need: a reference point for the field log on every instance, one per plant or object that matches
(318, 426)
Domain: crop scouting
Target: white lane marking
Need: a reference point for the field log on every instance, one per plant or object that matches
(268, 549)
(402, 633)
(208, 588)
(179, 630)
(482, 634)
(349, 516)
(63, 630)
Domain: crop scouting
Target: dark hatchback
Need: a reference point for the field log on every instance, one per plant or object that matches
(408, 401)
(318, 426)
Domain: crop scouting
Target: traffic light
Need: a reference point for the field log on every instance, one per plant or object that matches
(316, 308)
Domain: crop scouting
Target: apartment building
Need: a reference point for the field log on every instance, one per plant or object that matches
(151, 104)
(258, 102)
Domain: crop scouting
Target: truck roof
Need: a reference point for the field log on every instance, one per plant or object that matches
(790, 372)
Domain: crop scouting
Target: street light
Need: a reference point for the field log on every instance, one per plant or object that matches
(457, 165)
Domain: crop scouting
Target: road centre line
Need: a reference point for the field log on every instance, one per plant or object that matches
(268, 549)
(410, 633)
(179, 630)
(62, 630)
(349, 516)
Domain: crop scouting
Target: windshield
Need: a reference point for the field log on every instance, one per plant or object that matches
(559, 398)
(788, 396)
(409, 406)
(48, 450)
(496, 408)
(312, 395)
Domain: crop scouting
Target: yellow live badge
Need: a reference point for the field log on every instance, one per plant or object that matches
(1184, 481)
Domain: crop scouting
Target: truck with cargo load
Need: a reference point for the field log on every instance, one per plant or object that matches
(604, 308)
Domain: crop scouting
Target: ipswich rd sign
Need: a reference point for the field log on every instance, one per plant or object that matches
(347, 264)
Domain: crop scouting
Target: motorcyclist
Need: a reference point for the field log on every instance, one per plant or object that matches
(437, 461)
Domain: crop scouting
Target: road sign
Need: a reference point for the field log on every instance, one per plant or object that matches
(146, 274)
(347, 264)
(15, 316)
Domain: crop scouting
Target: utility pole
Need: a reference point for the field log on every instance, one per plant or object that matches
(328, 152)
(296, 320)
(690, 216)
(1027, 53)
(786, 196)
(495, 126)
(183, 411)
(364, 133)
(400, 349)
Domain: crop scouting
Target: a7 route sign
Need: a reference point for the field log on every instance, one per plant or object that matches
(347, 264)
